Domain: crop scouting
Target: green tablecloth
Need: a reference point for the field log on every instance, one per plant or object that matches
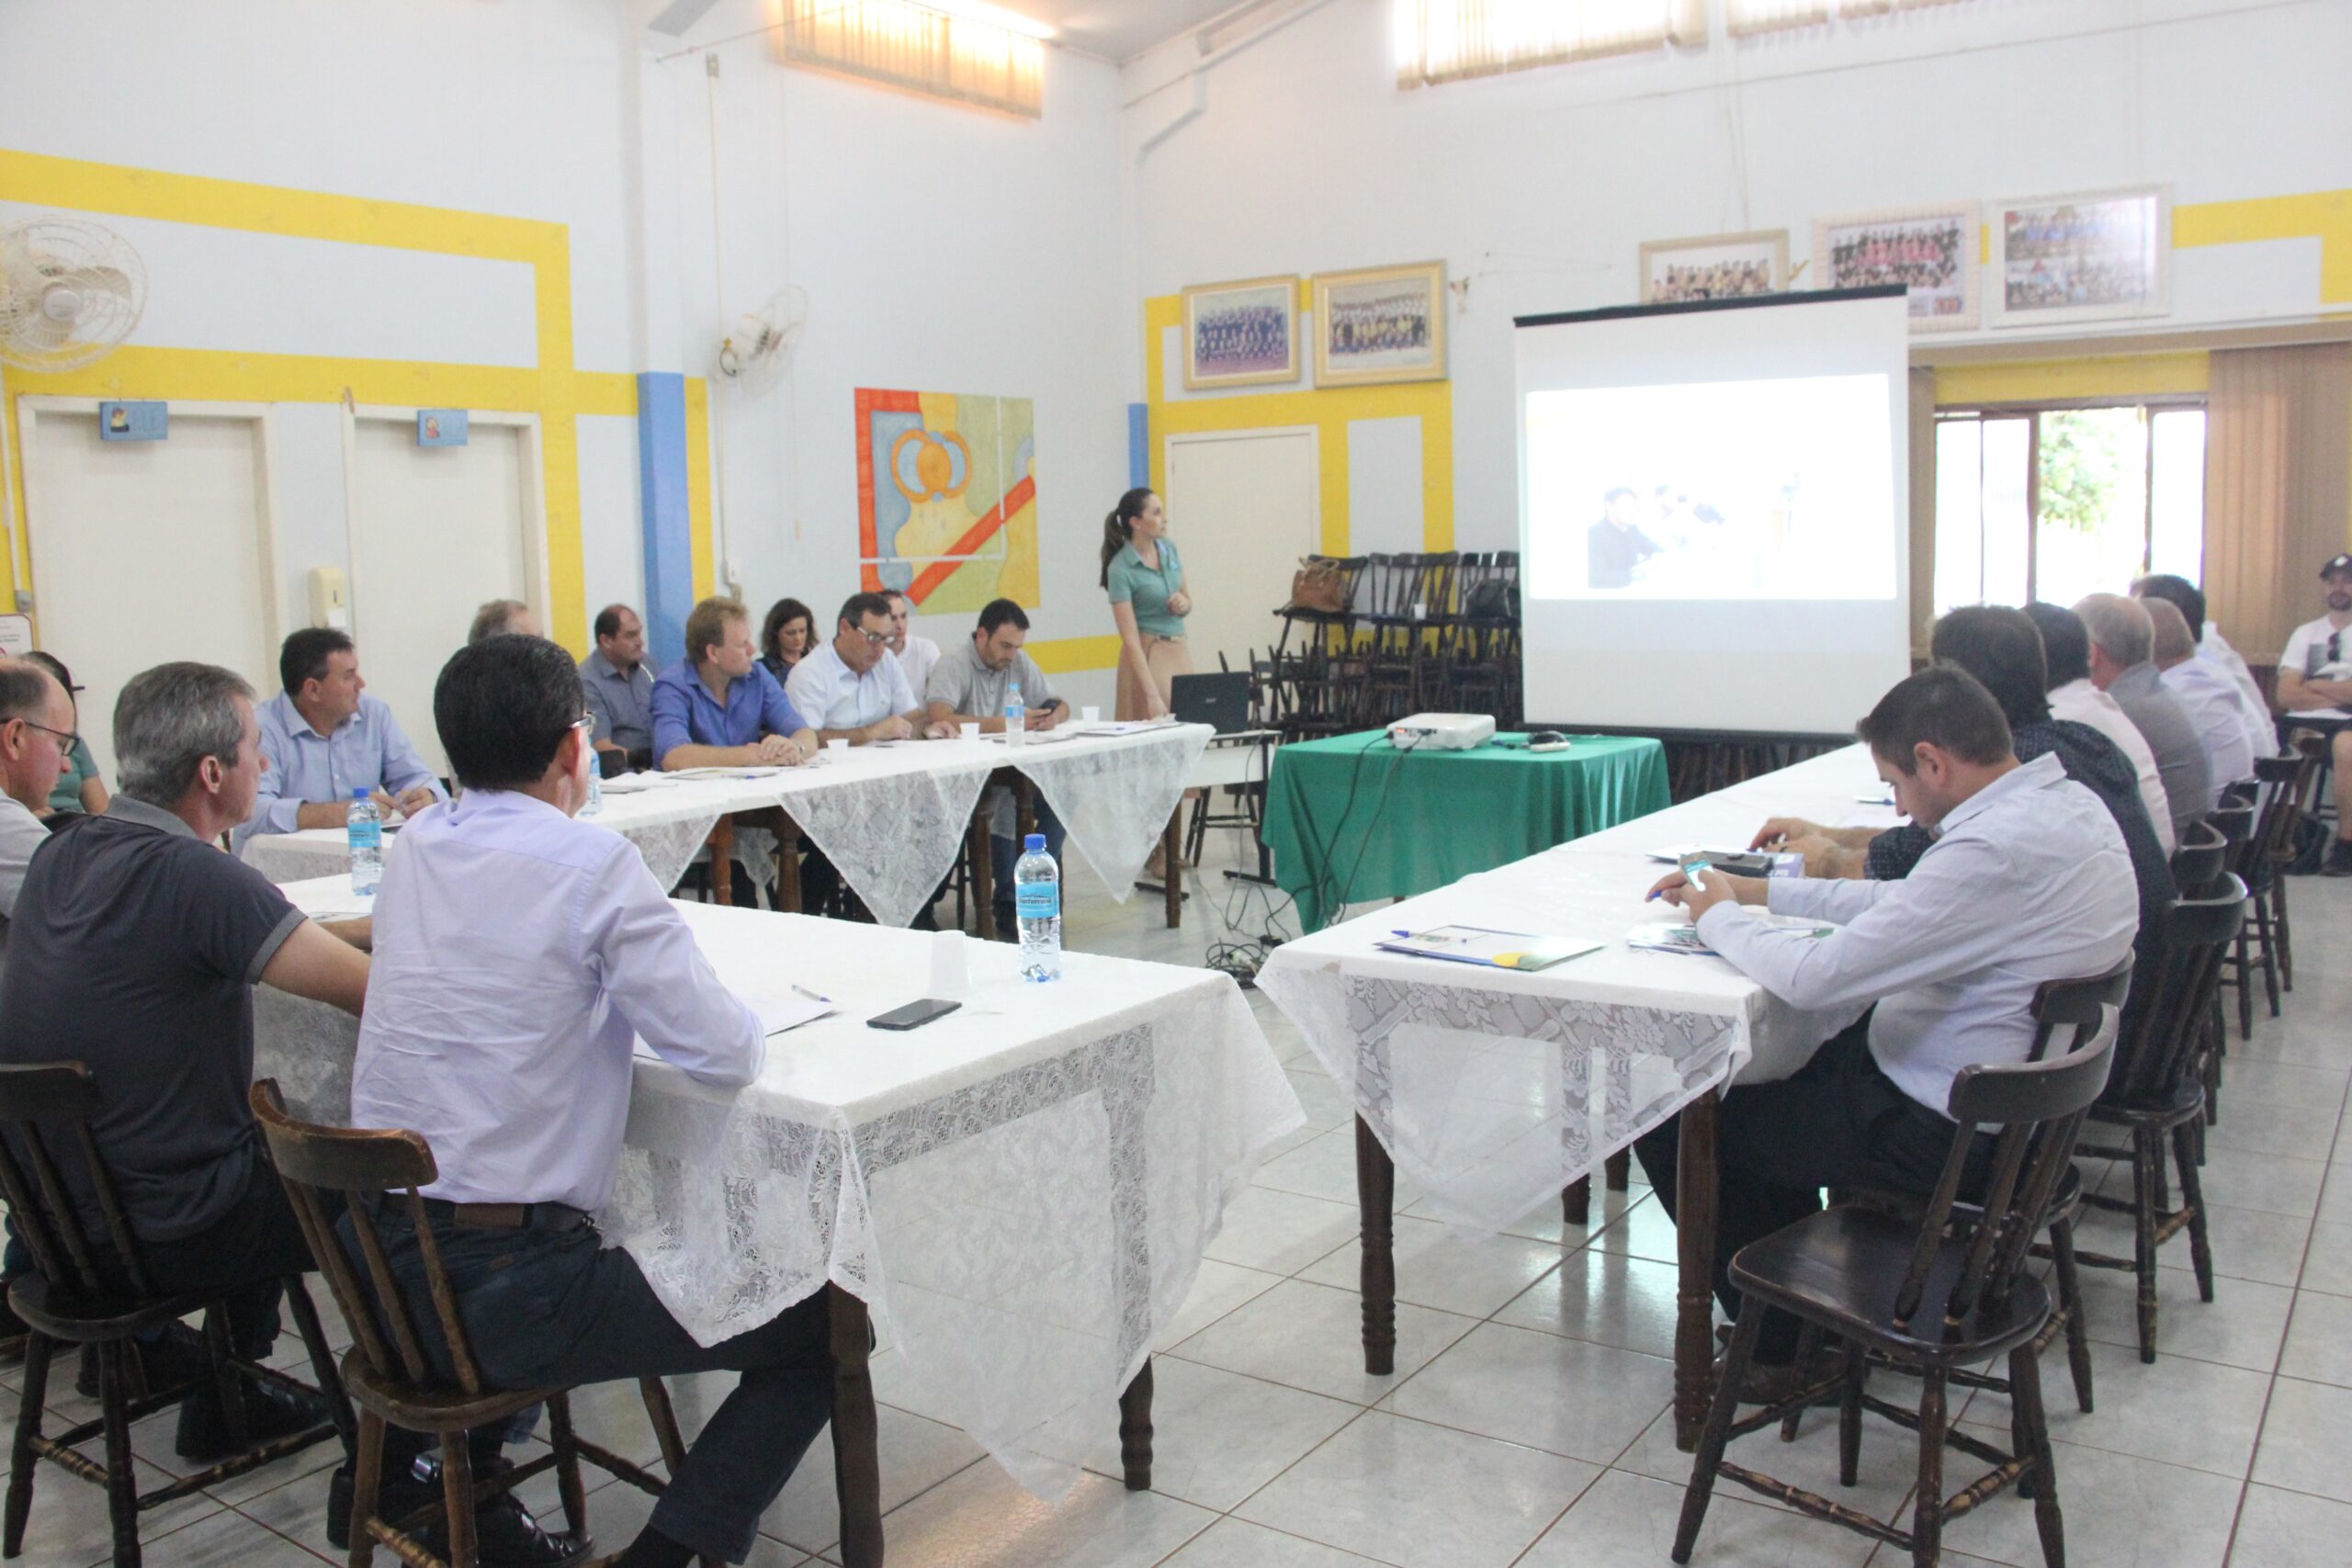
(1350, 819)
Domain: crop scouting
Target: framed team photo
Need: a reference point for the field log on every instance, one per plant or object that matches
(1380, 324)
(1931, 251)
(2092, 256)
(1716, 267)
(1241, 335)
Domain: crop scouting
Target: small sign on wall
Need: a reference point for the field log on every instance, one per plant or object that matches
(15, 635)
(440, 427)
(124, 421)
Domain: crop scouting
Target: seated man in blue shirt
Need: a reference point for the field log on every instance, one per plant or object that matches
(324, 737)
(717, 708)
(520, 953)
(2027, 879)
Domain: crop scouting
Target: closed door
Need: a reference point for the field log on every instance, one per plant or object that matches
(1242, 509)
(436, 531)
(145, 552)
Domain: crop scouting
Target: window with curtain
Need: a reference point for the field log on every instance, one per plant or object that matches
(938, 51)
(2057, 502)
(1743, 18)
(1447, 41)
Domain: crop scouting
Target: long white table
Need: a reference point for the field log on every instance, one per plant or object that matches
(1019, 1193)
(891, 817)
(1494, 1091)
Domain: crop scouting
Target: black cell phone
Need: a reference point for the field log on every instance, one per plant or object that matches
(1745, 864)
(914, 1015)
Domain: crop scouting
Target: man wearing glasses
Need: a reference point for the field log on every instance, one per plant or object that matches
(36, 736)
(853, 688)
(2315, 677)
(717, 708)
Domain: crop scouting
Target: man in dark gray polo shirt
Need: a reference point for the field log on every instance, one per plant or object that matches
(2122, 649)
(618, 689)
(971, 683)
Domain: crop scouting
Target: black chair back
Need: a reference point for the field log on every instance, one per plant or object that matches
(2164, 1052)
(39, 1102)
(2075, 1005)
(2234, 820)
(2038, 1108)
(2198, 864)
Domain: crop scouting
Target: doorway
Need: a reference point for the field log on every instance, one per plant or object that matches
(1242, 507)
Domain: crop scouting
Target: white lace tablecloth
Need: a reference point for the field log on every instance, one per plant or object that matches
(1492, 1089)
(891, 819)
(1020, 1191)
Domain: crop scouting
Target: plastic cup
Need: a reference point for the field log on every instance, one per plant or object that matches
(971, 730)
(1091, 715)
(950, 965)
(837, 744)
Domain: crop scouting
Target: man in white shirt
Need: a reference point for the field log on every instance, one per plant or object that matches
(2209, 697)
(2029, 880)
(2067, 651)
(2315, 677)
(2211, 646)
(851, 688)
(916, 656)
(36, 733)
(519, 954)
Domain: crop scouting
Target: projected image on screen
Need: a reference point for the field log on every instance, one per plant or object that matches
(1723, 490)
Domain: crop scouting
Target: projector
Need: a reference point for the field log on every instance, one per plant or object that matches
(1442, 731)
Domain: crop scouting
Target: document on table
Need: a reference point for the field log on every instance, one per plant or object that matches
(760, 771)
(1489, 949)
(786, 1010)
(1681, 936)
(637, 783)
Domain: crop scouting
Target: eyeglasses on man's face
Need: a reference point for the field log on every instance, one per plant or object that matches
(66, 740)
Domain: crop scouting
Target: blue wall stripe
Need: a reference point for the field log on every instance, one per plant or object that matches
(669, 543)
(1138, 445)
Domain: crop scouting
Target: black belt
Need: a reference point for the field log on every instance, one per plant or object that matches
(507, 1217)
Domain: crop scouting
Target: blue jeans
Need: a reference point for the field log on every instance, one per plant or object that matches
(1005, 853)
(545, 1308)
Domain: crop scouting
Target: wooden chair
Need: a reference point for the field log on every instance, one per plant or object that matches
(2237, 818)
(386, 1370)
(2293, 779)
(1950, 1292)
(80, 1295)
(2198, 862)
(2158, 1091)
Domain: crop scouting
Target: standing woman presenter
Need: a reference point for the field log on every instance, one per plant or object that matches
(1145, 578)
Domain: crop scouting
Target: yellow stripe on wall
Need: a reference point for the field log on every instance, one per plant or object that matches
(1067, 655)
(2176, 374)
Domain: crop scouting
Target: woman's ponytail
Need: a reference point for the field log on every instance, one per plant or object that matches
(1119, 527)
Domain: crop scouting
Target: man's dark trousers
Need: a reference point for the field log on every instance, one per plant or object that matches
(1838, 1122)
(548, 1307)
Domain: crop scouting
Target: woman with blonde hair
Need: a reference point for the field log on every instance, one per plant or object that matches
(1145, 578)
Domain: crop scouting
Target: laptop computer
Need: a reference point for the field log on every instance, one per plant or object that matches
(1220, 700)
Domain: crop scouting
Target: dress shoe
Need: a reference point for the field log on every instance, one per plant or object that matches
(1769, 1383)
(506, 1535)
(170, 1357)
(2340, 858)
(270, 1412)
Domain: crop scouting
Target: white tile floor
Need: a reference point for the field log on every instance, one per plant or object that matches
(1526, 1425)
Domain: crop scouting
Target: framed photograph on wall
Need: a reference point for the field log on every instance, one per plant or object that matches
(2091, 257)
(1715, 266)
(1241, 335)
(1380, 323)
(1929, 250)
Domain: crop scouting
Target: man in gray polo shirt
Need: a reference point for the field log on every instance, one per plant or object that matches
(970, 684)
(618, 690)
(2122, 649)
(36, 734)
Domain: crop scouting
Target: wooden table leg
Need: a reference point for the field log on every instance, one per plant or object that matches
(722, 860)
(787, 867)
(983, 880)
(1376, 1195)
(1134, 1431)
(1171, 856)
(1619, 1169)
(857, 1461)
(1695, 1187)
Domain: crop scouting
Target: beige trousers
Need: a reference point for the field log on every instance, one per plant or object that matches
(1169, 657)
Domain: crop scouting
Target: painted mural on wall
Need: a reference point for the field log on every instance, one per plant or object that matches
(947, 498)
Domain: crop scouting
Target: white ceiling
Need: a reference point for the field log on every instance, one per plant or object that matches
(1118, 30)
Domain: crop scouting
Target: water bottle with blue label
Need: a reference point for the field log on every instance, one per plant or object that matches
(595, 801)
(1016, 712)
(365, 827)
(1037, 904)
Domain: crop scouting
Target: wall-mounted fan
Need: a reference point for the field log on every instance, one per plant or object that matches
(71, 290)
(752, 355)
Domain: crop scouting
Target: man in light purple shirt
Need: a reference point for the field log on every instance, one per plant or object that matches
(2029, 880)
(324, 737)
(519, 954)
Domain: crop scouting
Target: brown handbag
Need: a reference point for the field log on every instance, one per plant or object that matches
(1319, 586)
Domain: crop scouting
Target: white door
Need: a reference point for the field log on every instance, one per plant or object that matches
(1242, 508)
(436, 531)
(148, 551)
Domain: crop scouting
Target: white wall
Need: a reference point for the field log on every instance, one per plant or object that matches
(942, 250)
(1301, 154)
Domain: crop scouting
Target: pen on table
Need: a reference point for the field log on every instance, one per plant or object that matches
(813, 995)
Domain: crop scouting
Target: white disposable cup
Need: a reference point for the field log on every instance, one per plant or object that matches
(1091, 715)
(971, 730)
(838, 744)
(950, 965)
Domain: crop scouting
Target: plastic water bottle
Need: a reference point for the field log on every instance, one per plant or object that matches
(1016, 713)
(595, 801)
(1037, 904)
(365, 826)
